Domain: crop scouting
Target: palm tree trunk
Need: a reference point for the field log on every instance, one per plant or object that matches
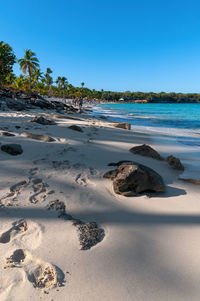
(29, 71)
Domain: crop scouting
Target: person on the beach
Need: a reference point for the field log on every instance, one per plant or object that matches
(80, 102)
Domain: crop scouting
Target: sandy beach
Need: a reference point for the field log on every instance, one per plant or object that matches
(147, 246)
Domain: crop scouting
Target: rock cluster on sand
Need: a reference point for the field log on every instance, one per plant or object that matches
(12, 149)
(131, 178)
(43, 121)
(146, 150)
(20, 100)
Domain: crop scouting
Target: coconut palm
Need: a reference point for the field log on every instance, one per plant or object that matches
(37, 75)
(48, 79)
(82, 84)
(29, 63)
(58, 81)
(62, 84)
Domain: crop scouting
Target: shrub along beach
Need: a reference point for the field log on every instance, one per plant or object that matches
(92, 208)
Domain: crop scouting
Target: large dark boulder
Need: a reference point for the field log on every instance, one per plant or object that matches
(131, 178)
(12, 149)
(146, 150)
(175, 163)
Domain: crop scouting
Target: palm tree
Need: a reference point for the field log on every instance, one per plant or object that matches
(38, 74)
(58, 81)
(7, 60)
(62, 84)
(82, 84)
(29, 63)
(48, 79)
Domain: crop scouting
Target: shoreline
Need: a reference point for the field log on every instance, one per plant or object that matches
(149, 250)
(179, 132)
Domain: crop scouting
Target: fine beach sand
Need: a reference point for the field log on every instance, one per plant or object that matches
(151, 245)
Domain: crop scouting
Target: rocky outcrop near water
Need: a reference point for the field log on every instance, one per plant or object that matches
(20, 100)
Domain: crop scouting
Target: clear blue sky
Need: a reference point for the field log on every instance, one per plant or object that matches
(144, 45)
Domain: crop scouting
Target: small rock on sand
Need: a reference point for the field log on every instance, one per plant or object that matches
(43, 121)
(175, 163)
(12, 149)
(75, 128)
(146, 150)
(122, 125)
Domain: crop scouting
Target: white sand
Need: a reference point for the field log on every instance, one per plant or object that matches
(151, 249)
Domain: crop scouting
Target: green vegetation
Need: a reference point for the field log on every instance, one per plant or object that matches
(33, 79)
(29, 63)
(7, 60)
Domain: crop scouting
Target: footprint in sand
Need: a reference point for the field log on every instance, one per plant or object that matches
(40, 190)
(81, 179)
(33, 172)
(11, 197)
(89, 233)
(39, 187)
(18, 227)
(41, 274)
(65, 164)
(23, 234)
(84, 178)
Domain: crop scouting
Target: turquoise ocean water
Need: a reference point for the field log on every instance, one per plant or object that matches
(176, 119)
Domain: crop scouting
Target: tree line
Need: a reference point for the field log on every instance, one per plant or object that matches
(34, 79)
